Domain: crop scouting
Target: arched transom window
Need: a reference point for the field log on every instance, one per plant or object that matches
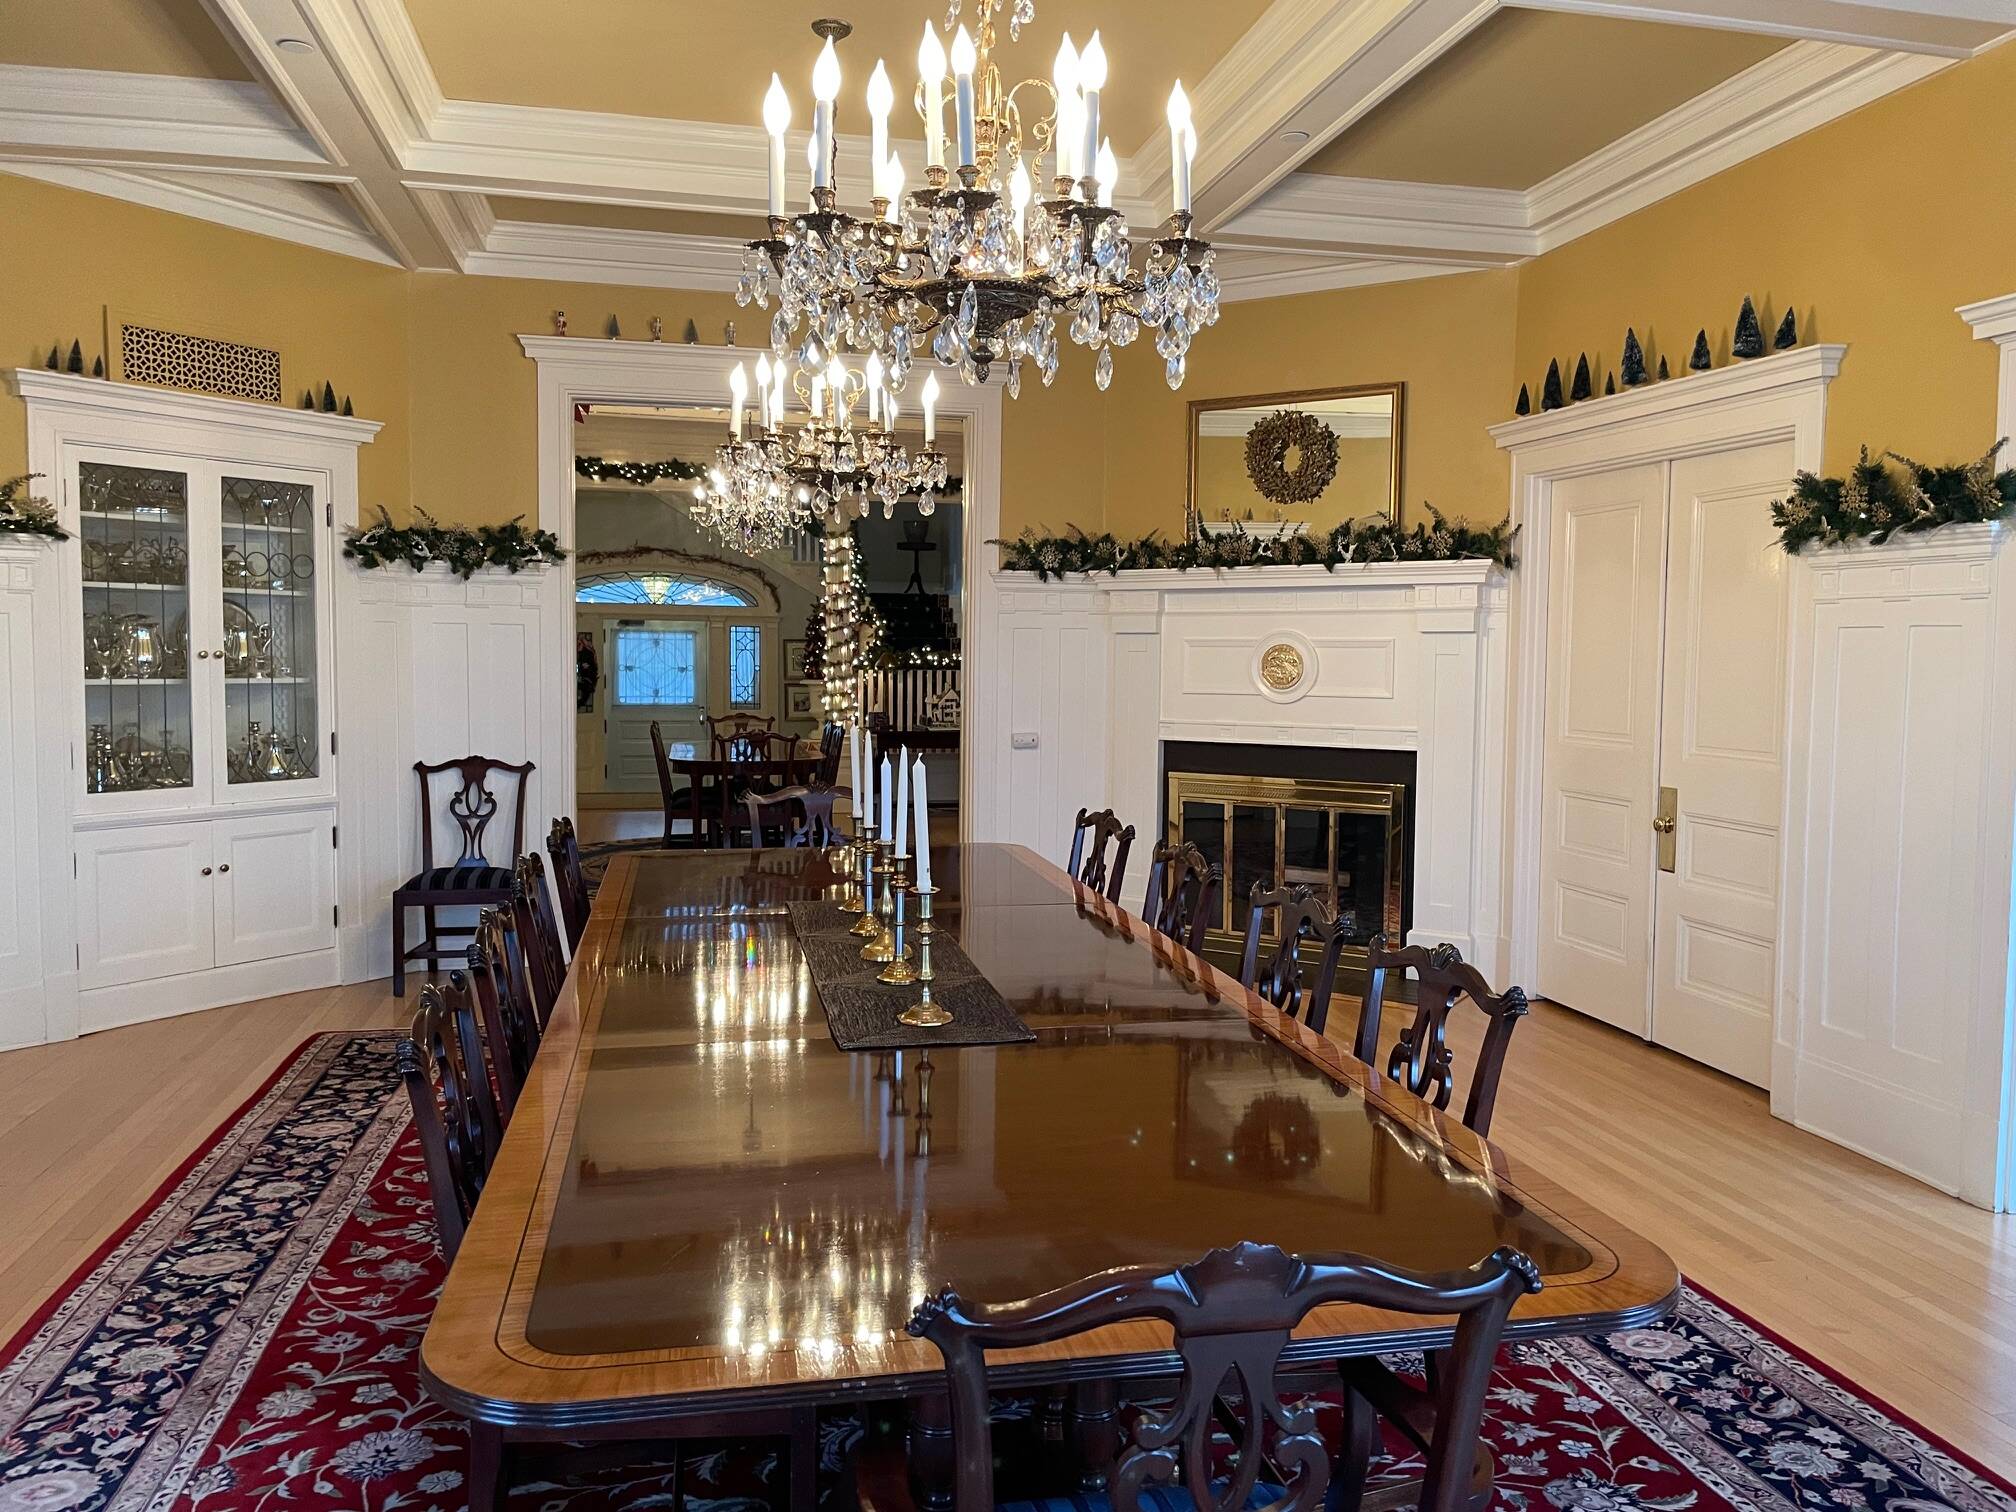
(660, 588)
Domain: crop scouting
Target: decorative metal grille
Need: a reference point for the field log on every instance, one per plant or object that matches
(198, 364)
(655, 667)
(745, 665)
(658, 588)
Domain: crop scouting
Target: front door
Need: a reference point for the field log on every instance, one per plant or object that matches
(656, 670)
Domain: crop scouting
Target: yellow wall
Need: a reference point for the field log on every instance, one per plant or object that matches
(1877, 226)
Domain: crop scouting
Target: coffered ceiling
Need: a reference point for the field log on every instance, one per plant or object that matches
(1341, 141)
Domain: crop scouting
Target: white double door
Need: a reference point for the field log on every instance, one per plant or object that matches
(1663, 768)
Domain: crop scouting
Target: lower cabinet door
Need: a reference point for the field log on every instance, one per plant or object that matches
(276, 886)
(145, 901)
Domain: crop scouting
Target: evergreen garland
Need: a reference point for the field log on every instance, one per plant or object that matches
(1373, 539)
(21, 513)
(1876, 501)
(672, 469)
(464, 550)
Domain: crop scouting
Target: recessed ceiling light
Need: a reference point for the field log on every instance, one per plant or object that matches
(295, 45)
(1293, 138)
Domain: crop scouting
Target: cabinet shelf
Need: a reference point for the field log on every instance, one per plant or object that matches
(265, 592)
(143, 587)
(136, 682)
(237, 681)
(142, 516)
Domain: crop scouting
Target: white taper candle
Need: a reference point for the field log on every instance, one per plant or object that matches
(920, 805)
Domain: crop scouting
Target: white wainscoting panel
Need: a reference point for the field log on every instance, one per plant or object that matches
(1898, 851)
(35, 916)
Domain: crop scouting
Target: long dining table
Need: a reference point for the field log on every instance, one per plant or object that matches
(704, 1209)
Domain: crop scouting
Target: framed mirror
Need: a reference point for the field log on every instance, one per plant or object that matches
(1282, 464)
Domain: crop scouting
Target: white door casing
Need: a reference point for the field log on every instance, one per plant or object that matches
(1722, 751)
(1606, 558)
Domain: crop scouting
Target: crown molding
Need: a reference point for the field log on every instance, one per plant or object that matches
(601, 254)
(83, 114)
(1741, 383)
(281, 208)
(1991, 319)
(1319, 211)
(141, 400)
(1246, 275)
(1951, 29)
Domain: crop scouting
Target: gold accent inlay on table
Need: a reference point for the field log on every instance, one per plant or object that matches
(1281, 666)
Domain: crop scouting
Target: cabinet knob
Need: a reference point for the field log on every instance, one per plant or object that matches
(206, 871)
(225, 867)
(202, 656)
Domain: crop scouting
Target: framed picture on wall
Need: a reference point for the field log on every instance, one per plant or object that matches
(798, 699)
(794, 661)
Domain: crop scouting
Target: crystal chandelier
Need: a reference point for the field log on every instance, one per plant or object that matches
(973, 266)
(768, 481)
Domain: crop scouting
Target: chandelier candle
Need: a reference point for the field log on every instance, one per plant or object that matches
(1091, 79)
(931, 73)
(776, 120)
(963, 60)
(1182, 147)
(738, 389)
(880, 98)
(1064, 85)
(1109, 174)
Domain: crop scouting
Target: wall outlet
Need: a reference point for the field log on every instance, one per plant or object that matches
(1022, 740)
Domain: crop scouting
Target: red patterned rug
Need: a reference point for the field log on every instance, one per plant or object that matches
(248, 1343)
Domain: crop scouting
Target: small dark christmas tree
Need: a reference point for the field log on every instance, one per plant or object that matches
(55, 362)
(1749, 338)
(97, 367)
(1664, 371)
(1701, 360)
(1580, 389)
(1525, 404)
(615, 330)
(1609, 384)
(692, 334)
(1788, 333)
(1550, 391)
(1633, 360)
(76, 362)
(308, 399)
(346, 406)
(814, 669)
(328, 397)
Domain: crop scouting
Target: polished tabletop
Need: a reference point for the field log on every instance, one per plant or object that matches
(702, 1202)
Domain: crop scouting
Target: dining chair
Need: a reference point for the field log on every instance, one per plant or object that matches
(1091, 869)
(679, 802)
(1232, 1313)
(538, 934)
(803, 815)
(1421, 1060)
(832, 742)
(1302, 917)
(740, 737)
(441, 1062)
(471, 879)
(569, 881)
(1182, 893)
(505, 1009)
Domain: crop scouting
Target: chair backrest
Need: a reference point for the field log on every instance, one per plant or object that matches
(1279, 978)
(1089, 865)
(1232, 1313)
(740, 737)
(1421, 1060)
(832, 741)
(804, 814)
(504, 1004)
(538, 934)
(441, 1062)
(569, 881)
(472, 804)
(1182, 897)
(664, 761)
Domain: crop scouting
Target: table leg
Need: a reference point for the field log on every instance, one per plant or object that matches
(489, 1485)
(931, 1452)
(1358, 1442)
(1093, 1425)
(804, 1459)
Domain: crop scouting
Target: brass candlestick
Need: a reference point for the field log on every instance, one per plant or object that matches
(881, 936)
(899, 972)
(866, 926)
(856, 856)
(924, 1014)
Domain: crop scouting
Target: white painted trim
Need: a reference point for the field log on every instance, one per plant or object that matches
(1992, 320)
(603, 254)
(281, 208)
(1314, 210)
(573, 370)
(1367, 425)
(139, 402)
(1260, 275)
(1782, 397)
(1943, 28)
(60, 113)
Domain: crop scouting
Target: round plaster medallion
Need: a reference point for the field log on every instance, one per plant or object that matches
(1284, 667)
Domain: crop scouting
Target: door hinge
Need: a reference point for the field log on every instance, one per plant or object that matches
(332, 742)
(328, 511)
(79, 949)
(336, 913)
(332, 837)
(73, 866)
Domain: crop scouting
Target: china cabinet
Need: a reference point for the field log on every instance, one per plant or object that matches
(192, 678)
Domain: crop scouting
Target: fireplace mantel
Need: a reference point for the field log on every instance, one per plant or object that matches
(1077, 682)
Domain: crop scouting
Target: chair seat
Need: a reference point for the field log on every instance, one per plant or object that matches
(460, 879)
(1152, 1499)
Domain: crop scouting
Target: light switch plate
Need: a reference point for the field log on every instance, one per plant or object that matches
(1022, 740)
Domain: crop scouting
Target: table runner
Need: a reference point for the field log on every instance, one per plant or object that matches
(861, 1012)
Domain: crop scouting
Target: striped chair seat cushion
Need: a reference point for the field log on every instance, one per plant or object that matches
(461, 879)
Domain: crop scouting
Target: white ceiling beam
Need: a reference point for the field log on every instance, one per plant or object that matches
(1940, 28)
(83, 115)
(1319, 213)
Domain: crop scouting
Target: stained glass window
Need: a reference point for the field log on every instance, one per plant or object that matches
(745, 666)
(654, 667)
(659, 588)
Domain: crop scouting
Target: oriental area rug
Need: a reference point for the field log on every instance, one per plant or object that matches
(249, 1343)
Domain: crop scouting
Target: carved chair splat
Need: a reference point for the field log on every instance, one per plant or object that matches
(1279, 979)
(538, 934)
(441, 1062)
(1091, 869)
(1182, 896)
(504, 1004)
(1422, 1061)
(569, 881)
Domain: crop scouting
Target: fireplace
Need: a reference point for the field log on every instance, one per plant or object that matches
(1337, 820)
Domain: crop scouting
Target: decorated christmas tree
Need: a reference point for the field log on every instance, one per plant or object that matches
(76, 362)
(1580, 389)
(1701, 360)
(815, 645)
(328, 398)
(1788, 332)
(1633, 361)
(1525, 404)
(1749, 338)
(1550, 391)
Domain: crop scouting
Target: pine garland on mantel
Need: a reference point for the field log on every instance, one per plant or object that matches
(643, 474)
(1876, 501)
(21, 513)
(462, 549)
(1377, 538)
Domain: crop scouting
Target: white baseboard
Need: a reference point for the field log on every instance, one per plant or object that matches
(165, 997)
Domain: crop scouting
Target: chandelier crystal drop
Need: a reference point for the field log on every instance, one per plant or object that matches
(975, 268)
(779, 473)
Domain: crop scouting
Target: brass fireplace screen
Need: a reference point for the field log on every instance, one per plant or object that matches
(1345, 840)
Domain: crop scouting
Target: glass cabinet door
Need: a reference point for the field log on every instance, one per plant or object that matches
(133, 538)
(269, 584)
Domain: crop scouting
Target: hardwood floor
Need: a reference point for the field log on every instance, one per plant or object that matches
(1899, 1288)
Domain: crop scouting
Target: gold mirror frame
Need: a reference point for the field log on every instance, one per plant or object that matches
(1193, 515)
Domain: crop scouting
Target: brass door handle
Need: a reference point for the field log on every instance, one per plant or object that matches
(1663, 825)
